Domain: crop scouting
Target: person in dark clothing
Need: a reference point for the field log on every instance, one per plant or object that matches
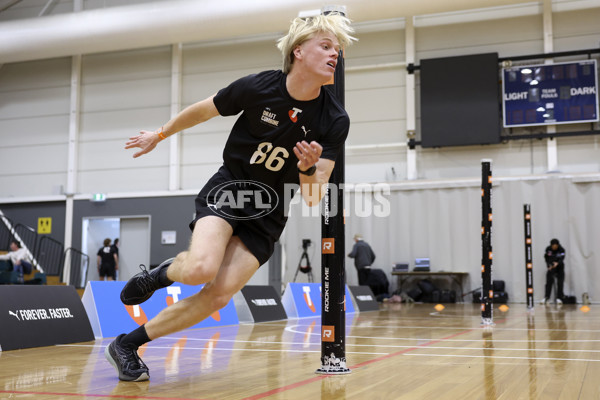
(363, 258)
(115, 247)
(288, 135)
(108, 263)
(554, 256)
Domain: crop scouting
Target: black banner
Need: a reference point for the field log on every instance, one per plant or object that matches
(264, 303)
(528, 255)
(487, 293)
(365, 299)
(35, 316)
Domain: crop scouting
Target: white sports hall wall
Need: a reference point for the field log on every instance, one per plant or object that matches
(435, 213)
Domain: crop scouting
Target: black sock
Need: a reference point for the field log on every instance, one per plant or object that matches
(163, 278)
(136, 338)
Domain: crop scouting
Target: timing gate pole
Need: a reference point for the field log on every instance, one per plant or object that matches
(528, 256)
(487, 294)
(333, 279)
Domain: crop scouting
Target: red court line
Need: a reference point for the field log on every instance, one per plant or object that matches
(260, 395)
(317, 378)
(110, 396)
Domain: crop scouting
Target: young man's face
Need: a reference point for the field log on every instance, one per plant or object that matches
(319, 54)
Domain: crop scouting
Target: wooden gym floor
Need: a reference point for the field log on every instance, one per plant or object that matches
(400, 352)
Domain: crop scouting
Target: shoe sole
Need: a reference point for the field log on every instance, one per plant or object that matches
(143, 377)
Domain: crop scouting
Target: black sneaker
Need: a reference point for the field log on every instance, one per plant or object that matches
(126, 361)
(142, 285)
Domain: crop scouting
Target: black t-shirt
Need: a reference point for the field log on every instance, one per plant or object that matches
(557, 256)
(107, 256)
(260, 145)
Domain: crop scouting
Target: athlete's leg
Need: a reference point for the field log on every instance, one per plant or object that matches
(201, 262)
(237, 267)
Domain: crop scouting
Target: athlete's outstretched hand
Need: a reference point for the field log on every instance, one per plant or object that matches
(308, 154)
(146, 141)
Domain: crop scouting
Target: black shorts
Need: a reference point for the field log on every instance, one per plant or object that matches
(258, 234)
(107, 270)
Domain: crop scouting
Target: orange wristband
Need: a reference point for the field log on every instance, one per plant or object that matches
(161, 135)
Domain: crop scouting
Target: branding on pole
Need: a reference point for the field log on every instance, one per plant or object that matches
(328, 246)
(328, 333)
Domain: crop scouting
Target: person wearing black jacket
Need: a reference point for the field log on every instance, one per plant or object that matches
(554, 256)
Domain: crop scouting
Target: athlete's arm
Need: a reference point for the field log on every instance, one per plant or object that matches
(190, 116)
(313, 187)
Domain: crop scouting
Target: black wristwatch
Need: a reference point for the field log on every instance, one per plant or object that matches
(308, 172)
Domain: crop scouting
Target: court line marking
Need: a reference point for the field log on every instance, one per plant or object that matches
(401, 346)
(111, 396)
(464, 327)
(501, 357)
(318, 378)
(221, 349)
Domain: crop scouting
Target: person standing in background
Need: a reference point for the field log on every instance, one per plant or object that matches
(363, 258)
(108, 262)
(555, 257)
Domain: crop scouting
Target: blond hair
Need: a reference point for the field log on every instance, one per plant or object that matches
(302, 30)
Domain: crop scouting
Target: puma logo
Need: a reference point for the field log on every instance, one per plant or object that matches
(305, 131)
(14, 314)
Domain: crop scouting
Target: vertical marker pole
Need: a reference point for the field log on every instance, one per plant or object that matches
(528, 256)
(487, 294)
(333, 280)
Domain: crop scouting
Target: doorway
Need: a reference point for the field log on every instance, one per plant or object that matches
(134, 242)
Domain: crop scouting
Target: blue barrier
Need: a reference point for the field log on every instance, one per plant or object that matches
(301, 300)
(109, 317)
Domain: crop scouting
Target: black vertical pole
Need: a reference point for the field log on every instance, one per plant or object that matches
(528, 256)
(333, 280)
(487, 294)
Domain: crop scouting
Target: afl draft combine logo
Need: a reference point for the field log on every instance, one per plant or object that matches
(293, 113)
(242, 200)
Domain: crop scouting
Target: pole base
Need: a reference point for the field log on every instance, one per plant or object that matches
(332, 371)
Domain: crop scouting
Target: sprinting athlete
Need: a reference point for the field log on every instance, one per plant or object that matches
(290, 132)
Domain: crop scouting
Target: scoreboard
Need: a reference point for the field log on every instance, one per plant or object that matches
(549, 94)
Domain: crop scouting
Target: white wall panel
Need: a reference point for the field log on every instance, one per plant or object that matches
(46, 158)
(579, 154)
(453, 39)
(195, 176)
(376, 166)
(376, 132)
(38, 102)
(121, 94)
(376, 48)
(34, 101)
(121, 124)
(35, 130)
(124, 180)
(31, 185)
(126, 65)
(512, 159)
(55, 72)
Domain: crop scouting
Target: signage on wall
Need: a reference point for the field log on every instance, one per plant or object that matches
(44, 226)
(550, 94)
